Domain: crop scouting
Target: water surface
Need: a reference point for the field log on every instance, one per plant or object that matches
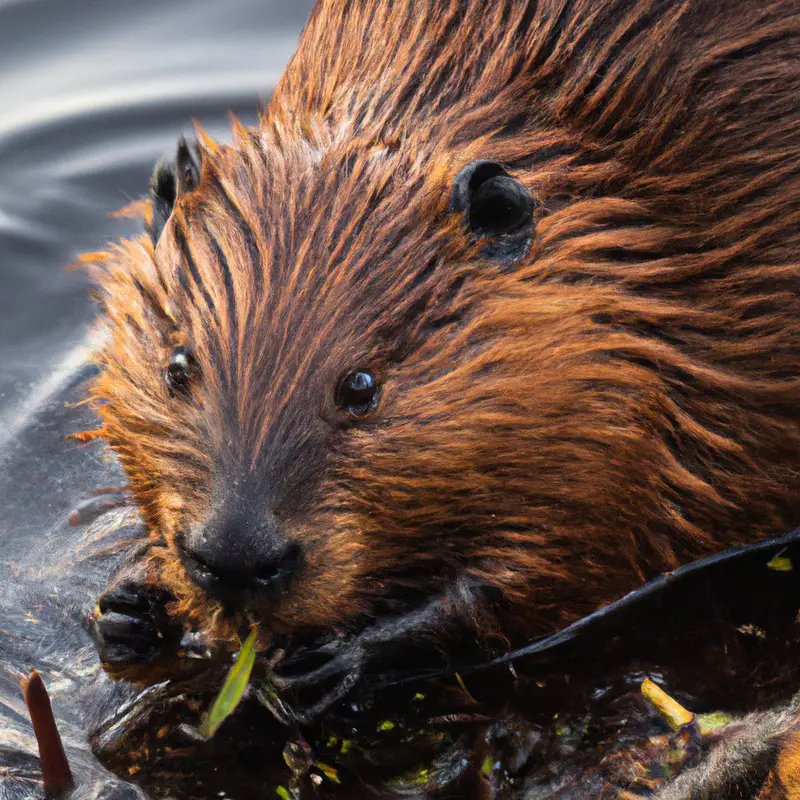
(92, 93)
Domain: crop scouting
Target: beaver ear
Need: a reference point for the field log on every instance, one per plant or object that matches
(170, 180)
(496, 207)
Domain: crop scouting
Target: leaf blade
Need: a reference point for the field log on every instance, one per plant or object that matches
(236, 681)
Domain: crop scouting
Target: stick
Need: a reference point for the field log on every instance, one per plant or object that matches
(56, 773)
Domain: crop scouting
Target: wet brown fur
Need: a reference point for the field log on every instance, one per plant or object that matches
(621, 401)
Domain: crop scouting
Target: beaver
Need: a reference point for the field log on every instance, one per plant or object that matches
(492, 317)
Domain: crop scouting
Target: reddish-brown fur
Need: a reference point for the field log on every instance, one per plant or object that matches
(622, 400)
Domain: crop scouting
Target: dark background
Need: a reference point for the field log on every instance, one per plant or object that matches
(92, 93)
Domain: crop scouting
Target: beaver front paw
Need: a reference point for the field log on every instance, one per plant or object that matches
(132, 630)
(345, 660)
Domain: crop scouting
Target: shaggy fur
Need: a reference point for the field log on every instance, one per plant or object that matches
(622, 400)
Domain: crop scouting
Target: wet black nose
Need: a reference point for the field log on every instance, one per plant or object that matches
(230, 566)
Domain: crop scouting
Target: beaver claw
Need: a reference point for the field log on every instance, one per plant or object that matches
(347, 667)
(131, 627)
(348, 658)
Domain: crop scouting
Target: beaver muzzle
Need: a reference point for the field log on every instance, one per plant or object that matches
(233, 555)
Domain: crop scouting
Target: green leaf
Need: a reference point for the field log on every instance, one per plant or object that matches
(780, 564)
(329, 771)
(232, 690)
(464, 687)
(709, 723)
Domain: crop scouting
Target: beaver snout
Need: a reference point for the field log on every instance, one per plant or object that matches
(230, 556)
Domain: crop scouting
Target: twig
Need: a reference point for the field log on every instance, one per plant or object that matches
(56, 773)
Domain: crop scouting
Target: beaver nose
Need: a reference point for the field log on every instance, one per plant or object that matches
(272, 574)
(228, 561)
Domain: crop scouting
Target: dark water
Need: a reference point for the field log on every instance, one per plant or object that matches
(92, 93)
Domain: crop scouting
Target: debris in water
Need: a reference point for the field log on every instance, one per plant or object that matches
(676, 715)
(780, 564)
(56, 774)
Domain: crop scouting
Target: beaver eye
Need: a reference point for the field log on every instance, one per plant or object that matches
(357, 393)
(178, 374)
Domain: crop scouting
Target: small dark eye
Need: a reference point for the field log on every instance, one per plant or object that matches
(357, 393)
(178, 374)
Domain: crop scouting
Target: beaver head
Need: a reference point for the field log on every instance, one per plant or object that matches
(500, 319)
